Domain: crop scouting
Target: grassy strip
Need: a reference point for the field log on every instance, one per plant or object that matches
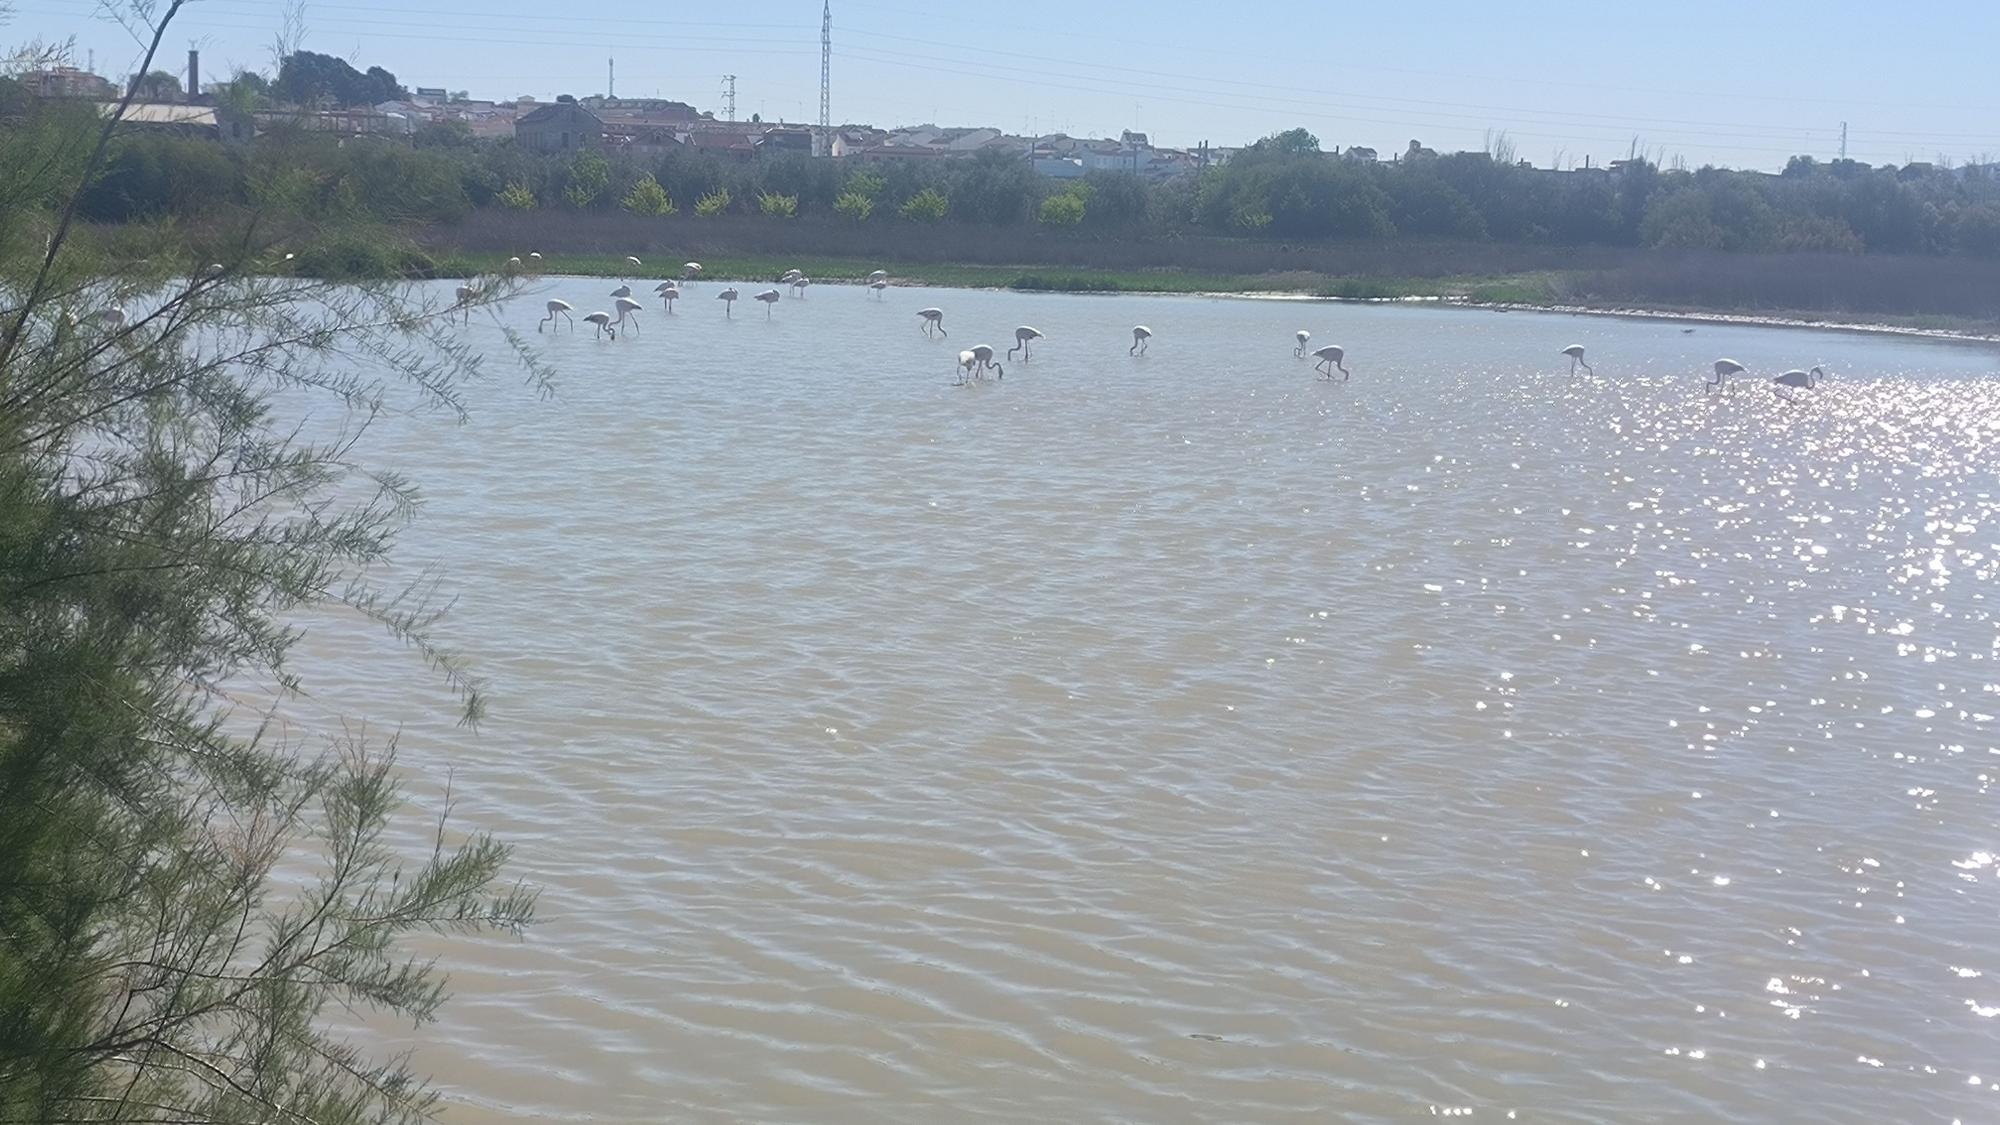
(1542, 289)
(1527, 288)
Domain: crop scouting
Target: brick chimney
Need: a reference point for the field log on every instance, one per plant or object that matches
(194, 76)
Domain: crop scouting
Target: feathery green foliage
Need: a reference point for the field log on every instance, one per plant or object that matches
(185, 894)
(927, 206)
(647, 197)
(712, 204)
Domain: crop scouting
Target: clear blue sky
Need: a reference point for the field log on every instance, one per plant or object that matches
(1739, 83)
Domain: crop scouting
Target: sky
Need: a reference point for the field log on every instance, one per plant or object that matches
(1742, 84)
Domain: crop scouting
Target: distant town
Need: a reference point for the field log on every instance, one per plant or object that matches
(638, 126)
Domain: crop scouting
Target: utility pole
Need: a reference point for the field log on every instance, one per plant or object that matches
(1843, 140)
(826, 79)
(729, 97)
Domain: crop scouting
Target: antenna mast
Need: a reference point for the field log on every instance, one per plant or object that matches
(825, 144)
(1843, 140)
(729, 97)
(610, 78)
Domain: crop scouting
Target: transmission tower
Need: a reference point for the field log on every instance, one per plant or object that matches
(825, 145)
(611, 78)
(729, 97)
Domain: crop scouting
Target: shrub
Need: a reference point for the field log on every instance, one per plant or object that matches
(866, 183)
(778, 206)
(712, 204)
(854, 206)
(517, 197)
(927, 206)
(589, 175)
(1061, 210)
(647, 197)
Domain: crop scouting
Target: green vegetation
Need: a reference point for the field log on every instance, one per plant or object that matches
(854, 207)
(776, 206)
(195, 890)
(927, 206)
(647, 197)
(712, 204)
(1281, 214)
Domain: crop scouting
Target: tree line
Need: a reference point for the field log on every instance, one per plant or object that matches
(1281, 188)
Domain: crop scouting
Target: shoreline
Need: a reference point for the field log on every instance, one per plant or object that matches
(1512, 293)
(1672, 316)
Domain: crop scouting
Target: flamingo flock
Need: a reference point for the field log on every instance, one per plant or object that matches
(973, 363)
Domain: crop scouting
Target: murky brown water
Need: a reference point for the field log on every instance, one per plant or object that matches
(1183, 739)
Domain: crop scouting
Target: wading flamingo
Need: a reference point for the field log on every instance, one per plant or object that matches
(770, 297)
(933, 318)
(728, 298)
(465, 294)
(1330, 357)
(983, 355)
(557, 308)
(1140, 335)
(799, 285)
(111, 319)
(1022, 336)
(789, 276)
(1724, 368)
(690, 270)
(622, 291)
(1575, 354)
(1803, 380)
(513, 265)
(626, 306)
(966, 360)
(1304, 337)
(534, 263)
(632, 263)
(668, 292)
(879, 275)
(878, 286)
(603, 322)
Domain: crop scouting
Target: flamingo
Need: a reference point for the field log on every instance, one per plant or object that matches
(534, 263)
(1304, 337)
(799, 284)
(603, 322)
(966, 360)
(465, 295)
(1330, 357)
(728, 297)
(789, 276)
(1724, 368)
(626, 306)
(983, 355)
(557, 308)
(1140, 335)
(669, 293)
(933, 318)
(878, 286)
(691, 270)
(878, 275)
(1804, 380)
(513, 265)
(1575, 354)
(1022, 336)
(770, 297)
(632, 263)
(112, 319)
(622, 291)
